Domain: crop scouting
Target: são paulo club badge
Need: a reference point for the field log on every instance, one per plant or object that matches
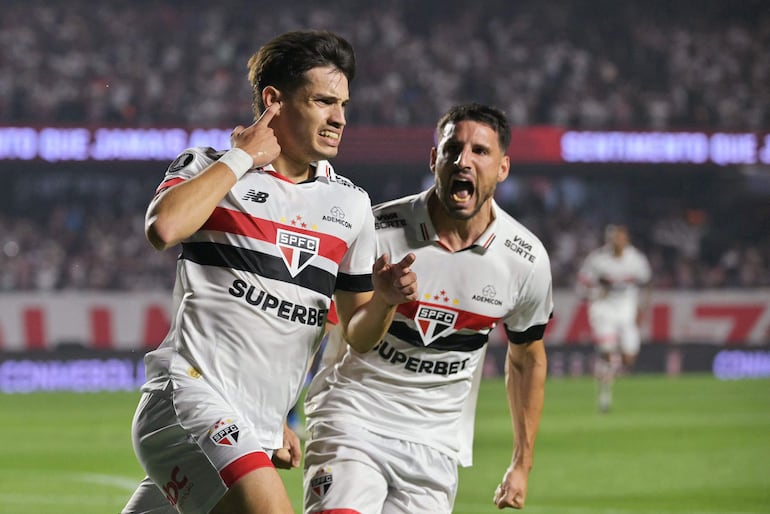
(297, 250)
(321, 481)
(224, 433)
(434, 322)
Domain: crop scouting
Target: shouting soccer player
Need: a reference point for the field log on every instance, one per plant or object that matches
(388, 427)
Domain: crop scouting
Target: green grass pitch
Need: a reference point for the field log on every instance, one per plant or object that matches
(690, 444)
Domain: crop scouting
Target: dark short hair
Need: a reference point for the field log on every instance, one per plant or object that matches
(488, 115)
(283, 61)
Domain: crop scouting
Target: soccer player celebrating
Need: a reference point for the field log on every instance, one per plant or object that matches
(269, 234)
(610, 279)
(388, 427)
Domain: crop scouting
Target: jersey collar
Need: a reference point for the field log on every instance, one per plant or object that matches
(323, 172)
(425, 231)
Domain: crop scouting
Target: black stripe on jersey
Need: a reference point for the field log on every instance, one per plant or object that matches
(354, 283)
(226, 256)
(457, 342)
(531, 334)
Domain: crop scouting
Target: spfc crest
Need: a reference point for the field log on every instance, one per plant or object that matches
(434, 322)
(224, 433)
(321, 482)
(297, 250)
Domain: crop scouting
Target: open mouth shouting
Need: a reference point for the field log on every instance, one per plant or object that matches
(461, 190)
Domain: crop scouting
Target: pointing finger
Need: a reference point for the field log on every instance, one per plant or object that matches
(407, 261)
(381, 262)
(269, 113)
(237, 130)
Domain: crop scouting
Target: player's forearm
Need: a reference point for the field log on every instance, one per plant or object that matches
(369, 323)
(180, 211)
(526, 368)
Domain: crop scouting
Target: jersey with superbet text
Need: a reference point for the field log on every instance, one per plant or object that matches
(254, 284)
(414, 384)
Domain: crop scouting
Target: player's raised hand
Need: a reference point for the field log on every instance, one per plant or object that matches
(258, 139)
(396, 282)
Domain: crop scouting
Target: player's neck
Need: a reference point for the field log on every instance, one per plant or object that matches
(296, 171)
(459, 234)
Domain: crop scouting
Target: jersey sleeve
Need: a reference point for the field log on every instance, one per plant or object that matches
(645, 271)
(355, 271)
(587, 283)
(187, 164)
(528, 320)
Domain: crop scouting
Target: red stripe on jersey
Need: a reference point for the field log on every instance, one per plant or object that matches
(168, 183)
(277, 175)
(243, 465)
(240, 223)
(331, 316)
(465, 319)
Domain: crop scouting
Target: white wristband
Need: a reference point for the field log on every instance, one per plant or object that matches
(238, 161)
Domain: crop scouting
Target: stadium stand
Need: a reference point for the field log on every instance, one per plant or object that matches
(599, 64)
(647, 65)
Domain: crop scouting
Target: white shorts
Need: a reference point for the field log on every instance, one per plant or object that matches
(614, 328)
(193, 446)
(357, 471)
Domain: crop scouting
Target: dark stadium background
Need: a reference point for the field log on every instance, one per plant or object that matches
(655, 113)
(645, 113)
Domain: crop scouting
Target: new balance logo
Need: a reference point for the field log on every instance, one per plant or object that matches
(255, 196)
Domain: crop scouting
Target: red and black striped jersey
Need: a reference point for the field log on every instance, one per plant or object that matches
(416, 384)
(254, 283)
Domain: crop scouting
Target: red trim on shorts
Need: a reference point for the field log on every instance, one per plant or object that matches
(336, 511)
(242, 465)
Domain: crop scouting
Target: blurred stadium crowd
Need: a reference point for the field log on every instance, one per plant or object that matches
(585, 64)
(582, 64)
(90, 234)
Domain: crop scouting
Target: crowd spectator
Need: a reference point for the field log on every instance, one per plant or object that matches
(637, 64)
(89, 244)
(642, 64)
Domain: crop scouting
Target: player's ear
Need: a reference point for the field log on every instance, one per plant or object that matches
(270, 95)
(505, 167)
(433, 156)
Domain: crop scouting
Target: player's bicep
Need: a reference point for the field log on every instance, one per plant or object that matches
(526, 354)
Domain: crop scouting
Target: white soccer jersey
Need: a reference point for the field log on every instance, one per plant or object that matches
(614, 280)
(254, 284)
(414, 384)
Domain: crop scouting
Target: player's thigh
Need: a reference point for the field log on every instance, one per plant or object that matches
(148, 499)
(260, 491)
(422, 480)
(345, 485)
(630, 340)
(194, 446)
(603, 327)
(342, 472)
